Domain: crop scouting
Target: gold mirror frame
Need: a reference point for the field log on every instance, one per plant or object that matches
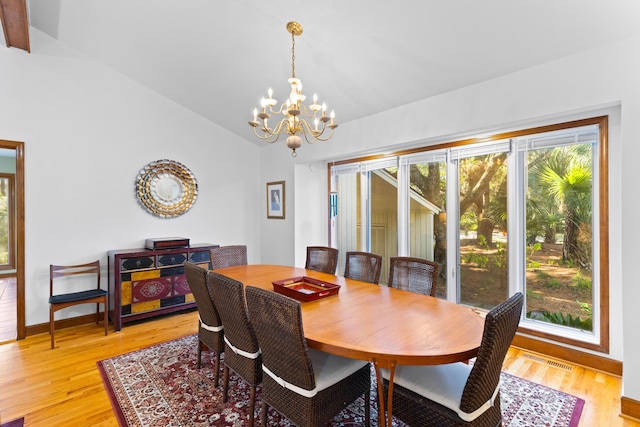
(166, 188)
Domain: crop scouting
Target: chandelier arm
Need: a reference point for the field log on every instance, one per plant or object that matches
(270, 136)
(280, 110)
(278, 129)
(318, 136)
(327, 138)
(317, 133)
(305, 111)
(304, 128)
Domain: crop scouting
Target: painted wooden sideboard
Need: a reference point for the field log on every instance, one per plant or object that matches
(145, 283)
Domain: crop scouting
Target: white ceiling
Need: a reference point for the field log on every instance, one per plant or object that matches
(218, 58)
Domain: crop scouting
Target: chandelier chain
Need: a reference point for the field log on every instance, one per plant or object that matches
(293, 55)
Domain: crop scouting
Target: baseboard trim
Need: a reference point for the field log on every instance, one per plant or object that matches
(572, 355)
(630, 408)
(42, 328)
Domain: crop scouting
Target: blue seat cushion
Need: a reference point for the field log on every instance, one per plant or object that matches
(77, 296)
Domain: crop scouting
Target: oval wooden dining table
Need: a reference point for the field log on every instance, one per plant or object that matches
(386, 326)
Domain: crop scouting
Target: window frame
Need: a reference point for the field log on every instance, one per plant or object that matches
(601, 332)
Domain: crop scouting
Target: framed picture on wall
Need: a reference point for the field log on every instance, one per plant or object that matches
(275, 200)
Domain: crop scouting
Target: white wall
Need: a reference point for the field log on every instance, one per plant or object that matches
(570, 88)
(284, 241)
(87, 132)
(276, 235)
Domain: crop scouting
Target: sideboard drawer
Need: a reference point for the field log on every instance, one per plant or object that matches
(137, 263)
(172, 259)
(200, 256)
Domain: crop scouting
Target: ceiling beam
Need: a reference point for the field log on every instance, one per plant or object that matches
(15, 24)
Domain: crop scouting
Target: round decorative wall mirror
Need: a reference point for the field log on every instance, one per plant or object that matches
(166, 188)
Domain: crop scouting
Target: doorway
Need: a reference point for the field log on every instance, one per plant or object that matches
(12, 286)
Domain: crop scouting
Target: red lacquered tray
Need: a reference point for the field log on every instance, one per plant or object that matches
(305, 288)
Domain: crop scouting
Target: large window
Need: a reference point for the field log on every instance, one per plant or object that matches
(481, 227)
(516, 212)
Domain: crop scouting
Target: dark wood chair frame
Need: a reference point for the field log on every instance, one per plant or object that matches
(59, 301)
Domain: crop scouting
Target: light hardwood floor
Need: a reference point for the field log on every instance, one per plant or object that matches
(62, 387)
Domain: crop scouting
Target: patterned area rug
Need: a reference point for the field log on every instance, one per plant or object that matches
(161, 386)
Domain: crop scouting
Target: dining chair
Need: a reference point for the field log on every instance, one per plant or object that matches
(241, 350)
(459, 394)
(413, 274)
(364, 266)
(307, 386)
(322, 258)
(210, 326)
(83, 273)
(228, 256)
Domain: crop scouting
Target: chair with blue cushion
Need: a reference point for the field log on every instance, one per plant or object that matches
(459, 394)
(73, 274)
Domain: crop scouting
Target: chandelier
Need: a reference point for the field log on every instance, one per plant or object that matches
(296, 115)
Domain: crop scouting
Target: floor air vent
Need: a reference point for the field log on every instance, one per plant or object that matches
(548, 362)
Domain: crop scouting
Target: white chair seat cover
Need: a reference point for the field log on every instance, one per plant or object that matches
(442, 384)
(328, 370)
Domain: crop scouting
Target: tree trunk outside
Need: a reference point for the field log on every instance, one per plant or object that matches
(570, 240)
(485, 228)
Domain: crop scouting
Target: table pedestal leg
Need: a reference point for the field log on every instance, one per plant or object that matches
(391, 366)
